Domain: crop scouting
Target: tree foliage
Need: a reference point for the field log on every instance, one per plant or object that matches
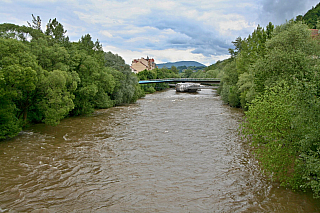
(157, 74)
(268, 125)
(36, 23)
(44, 77)
(311, 18)
(238, 75)
(281, 91)
(274, 75)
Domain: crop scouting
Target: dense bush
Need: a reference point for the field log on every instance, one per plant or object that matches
(44, 77)
(274, 75)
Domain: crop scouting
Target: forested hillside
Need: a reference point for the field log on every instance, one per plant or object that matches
(44, 77)
(181, 63)
(311, 18)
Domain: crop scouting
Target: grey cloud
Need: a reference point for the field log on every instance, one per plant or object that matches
(278, 11)
(193, 34)
(81, 17)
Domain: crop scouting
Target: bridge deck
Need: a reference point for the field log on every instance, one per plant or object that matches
(176, 80)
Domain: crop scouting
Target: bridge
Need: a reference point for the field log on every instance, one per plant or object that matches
(177, 80)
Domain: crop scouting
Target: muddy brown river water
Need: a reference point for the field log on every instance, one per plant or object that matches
(169, 152)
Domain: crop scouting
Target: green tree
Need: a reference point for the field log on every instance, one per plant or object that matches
(56, 31)
(44, 77)
(311, 17)
(50, 57)
(174, 70)
(127, 90)
(57, 101)
(306, 124)
(95, 85)
(19, 69)
(268, 126)
(290, 55)
(246, 88)
(187, 73)
(21, 33)
(247, 51)
(238, 47)
(228, 86)
(282, 122)
(252, 48)
(36, 23)
(212, 73)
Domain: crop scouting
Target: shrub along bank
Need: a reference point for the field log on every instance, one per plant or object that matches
(274, 75)
(44, 77)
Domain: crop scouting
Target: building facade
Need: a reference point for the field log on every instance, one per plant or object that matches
(139, 65)
(315, 33)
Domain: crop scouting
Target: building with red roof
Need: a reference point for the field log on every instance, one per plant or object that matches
(139, 65)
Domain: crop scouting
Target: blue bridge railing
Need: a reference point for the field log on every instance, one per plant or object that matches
(171, 80)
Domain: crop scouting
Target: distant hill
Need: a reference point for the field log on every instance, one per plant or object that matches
(180, 64)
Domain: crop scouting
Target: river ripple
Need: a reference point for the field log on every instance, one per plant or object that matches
(169, 152)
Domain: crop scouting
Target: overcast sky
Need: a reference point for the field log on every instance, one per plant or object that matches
(166, 30)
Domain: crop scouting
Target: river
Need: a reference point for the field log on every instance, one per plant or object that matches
(169, 152)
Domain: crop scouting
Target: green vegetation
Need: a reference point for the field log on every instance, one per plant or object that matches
(157, 74)
(44, 77)
(182, 64)
(274, 75)
(192, 68)
(311, 18)
(201, 72)
(190, 72)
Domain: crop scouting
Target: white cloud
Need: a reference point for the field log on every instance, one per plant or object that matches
(97, 18)
(9, 18)
(166, 5)
(73, 30)
(36, 1)
(111, 10)
(132, 30)
(106, 33)
(167, 30)
(234, 22)
(142, 40)
(166, 55)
